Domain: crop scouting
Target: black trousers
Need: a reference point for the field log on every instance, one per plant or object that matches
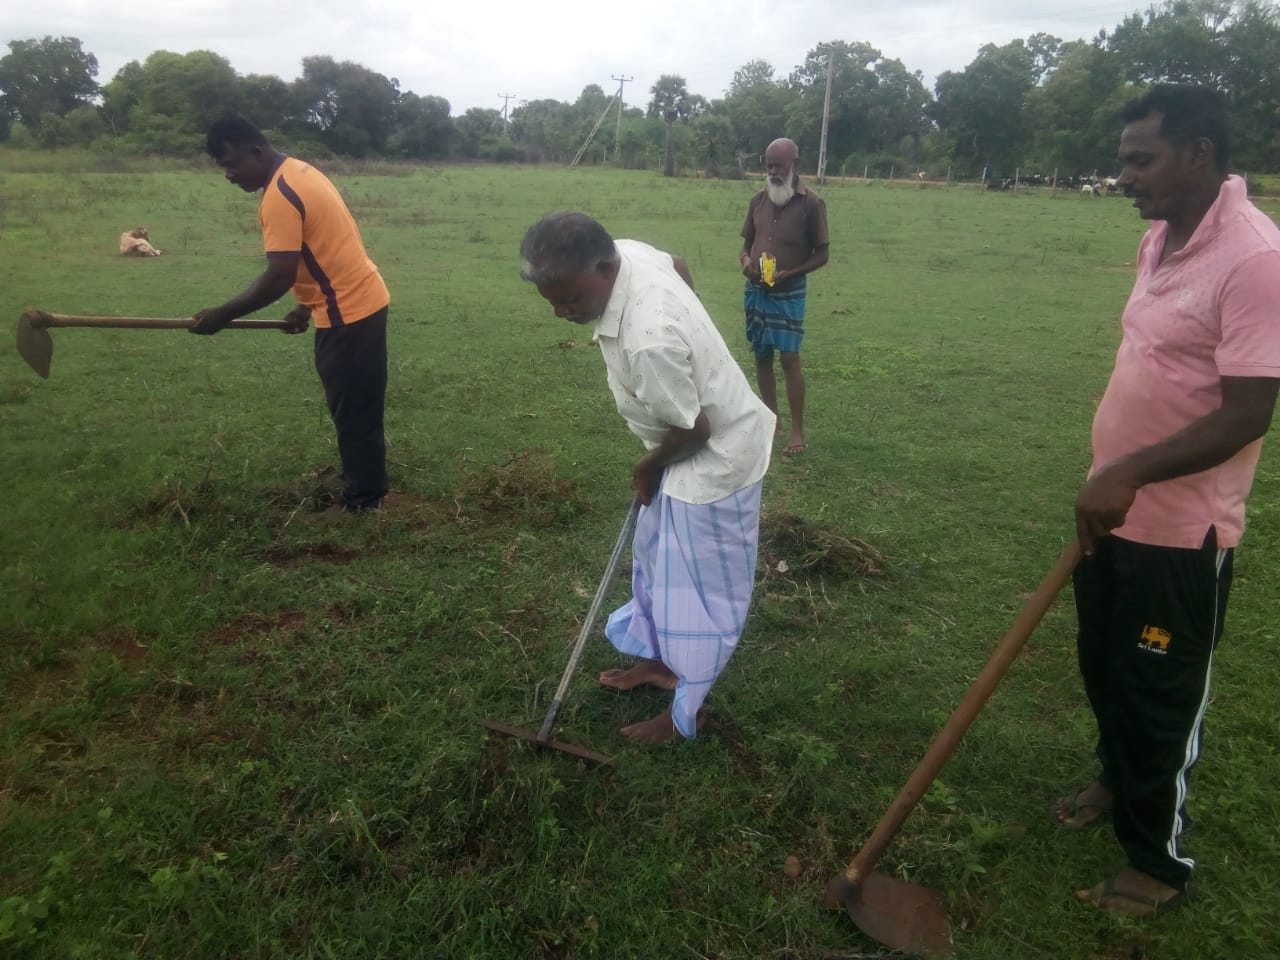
(1149, 620)
(352, 363)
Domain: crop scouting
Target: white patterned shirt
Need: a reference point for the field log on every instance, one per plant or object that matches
(666, 362)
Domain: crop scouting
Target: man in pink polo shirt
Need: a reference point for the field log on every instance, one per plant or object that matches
(1176, 439)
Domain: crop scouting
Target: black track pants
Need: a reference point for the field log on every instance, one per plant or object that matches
(1149, 619)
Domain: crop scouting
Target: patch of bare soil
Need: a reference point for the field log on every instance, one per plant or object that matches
(291, 556)
(250, 625)
(122, 643)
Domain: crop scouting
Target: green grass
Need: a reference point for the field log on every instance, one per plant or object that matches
(230, 729)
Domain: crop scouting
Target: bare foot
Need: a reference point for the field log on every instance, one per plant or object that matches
(1084, 807)
(1134, 893)
(659, 729)
(653, 672)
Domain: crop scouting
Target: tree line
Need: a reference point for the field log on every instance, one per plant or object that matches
(1037, 103)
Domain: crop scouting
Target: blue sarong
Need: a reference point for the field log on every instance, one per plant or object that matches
(775, 316)
(693, 567)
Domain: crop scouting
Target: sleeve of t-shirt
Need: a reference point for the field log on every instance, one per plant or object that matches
(663, 378)
(818, 225)
(1250, 311)
(281, 223)
(749, 227)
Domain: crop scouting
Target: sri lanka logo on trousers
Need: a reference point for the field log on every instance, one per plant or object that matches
(1155, 639)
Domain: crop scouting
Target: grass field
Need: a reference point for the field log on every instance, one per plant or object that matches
(231, 729)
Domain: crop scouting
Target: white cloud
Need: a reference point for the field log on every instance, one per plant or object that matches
(471, 53)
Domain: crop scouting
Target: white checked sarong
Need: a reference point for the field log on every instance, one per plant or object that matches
(692, 571)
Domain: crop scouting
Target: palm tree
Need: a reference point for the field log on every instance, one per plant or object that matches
(671, 102)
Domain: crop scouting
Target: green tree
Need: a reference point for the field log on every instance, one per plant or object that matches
(480, 133)
(851, 86)
(350, 107)
(46, 78)
(670, 102)
(1252, 81)
(424, 129)
(545, 130)
(713, 135)
(268, 102)
(1066, 116)
(757, 105)
(1180, 42)
(121, 95)
(981, 108)
(166, 104)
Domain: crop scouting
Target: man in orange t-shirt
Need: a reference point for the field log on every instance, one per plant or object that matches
(313, 247)
(1176, 440)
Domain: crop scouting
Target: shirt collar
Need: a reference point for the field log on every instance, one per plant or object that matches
(1231, 195)
(610, 322)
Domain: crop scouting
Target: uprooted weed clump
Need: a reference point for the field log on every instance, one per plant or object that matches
(523, 489)
(792, 547)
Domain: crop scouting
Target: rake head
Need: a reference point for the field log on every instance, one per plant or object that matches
(572, 749)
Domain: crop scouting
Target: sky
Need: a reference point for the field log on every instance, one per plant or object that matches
(475, 51)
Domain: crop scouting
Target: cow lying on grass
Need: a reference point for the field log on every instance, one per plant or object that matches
(136, 243)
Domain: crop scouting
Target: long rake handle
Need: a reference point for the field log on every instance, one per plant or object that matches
(145, 323)
(979, 693)
(624, 535)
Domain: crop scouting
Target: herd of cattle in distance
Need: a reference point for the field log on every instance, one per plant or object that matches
(1092, 184)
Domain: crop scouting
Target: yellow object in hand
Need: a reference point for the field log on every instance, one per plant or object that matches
(767, 265)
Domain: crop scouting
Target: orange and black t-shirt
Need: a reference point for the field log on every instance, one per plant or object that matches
(302, 212)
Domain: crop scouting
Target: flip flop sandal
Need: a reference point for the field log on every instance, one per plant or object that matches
(1112, 896)
(1075, 814)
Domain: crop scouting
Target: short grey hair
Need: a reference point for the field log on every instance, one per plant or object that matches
(564, 243)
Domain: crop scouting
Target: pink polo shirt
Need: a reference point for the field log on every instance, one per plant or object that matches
(1210, 310)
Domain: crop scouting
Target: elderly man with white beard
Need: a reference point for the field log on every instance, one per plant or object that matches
(783, 239)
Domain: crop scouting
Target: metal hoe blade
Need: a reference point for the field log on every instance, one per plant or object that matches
(35, 346)
(903, 915)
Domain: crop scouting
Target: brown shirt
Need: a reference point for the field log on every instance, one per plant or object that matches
(789, 234)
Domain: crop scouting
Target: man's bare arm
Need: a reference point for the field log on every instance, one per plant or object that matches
(816, 259)
(678, 444)
(272, 284)
(682, 268)
(1245, 415)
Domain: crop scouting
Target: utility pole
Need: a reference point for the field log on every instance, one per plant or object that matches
(506, 98)
(617, 136)
(826, 114)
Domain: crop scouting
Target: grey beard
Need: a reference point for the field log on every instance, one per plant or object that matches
(780, 195)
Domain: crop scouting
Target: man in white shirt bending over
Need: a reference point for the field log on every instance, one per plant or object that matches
(707, 440)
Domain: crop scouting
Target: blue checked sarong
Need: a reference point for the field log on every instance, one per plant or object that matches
(693, 567)
(775, 316)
